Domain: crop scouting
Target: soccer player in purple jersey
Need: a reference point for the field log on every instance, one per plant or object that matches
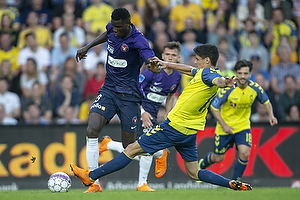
(156, 88)
(127, 50)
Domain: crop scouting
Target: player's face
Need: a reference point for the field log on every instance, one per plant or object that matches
(121, 28)
(243, 75)
(200, 62)
(171, 55)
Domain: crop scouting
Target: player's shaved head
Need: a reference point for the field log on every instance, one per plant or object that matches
(120, 14)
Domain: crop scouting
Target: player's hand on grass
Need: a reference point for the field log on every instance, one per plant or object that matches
(146, 119)
(81, 53)
(273, 121)
(227, 129)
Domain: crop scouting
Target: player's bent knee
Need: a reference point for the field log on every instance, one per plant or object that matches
(91, 133)
(218, 158)
(193, 175)
(134, 149)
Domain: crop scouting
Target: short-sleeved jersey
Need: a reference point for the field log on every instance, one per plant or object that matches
(12, 56)
(188, 115)
(98, 17)
(43, 37)
(125, 56)
(156, 87)
(236, 106)
(179, 14)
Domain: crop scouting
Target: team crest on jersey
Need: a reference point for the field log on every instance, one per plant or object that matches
(173, 87)
(233, 104)
(134, 119)
(124, 47)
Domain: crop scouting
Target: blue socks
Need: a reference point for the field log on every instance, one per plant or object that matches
(239, 169)
(211, 177)
(206, 160)
(119, 162)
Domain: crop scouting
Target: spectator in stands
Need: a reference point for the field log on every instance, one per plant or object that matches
(67, 7)
(136, 18)
(66, 95)
(243, 34)
(294, 113)
(296, 11)
(59, 56)
(95, 82)
(5, 72)
(42, 34)
(221, 32)
(189, 43)
(253, 10)
(76, 34)
(6, 120)
(159, 26)
(261, 115)
(97, 54)
(34, 116)
(223, 14)
(291, 96)
(6, 25)
(12, 12)
(160, 40)
(285, 67)
(222, 65)
(256, 48)
(69, 117)
(231, 56)
(95, 17)
(256, 68)
(44, 14)
(71, 68)
(178, 15)
(10, 100)
(33, 50)
(29, 76)
(85, 107)
(41, 101)
(189, 25)
(285, 6)
(279, 26)
(9, 52)
(284, 40)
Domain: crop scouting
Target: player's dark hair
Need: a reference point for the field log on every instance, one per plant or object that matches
(173, 45)
(120, 14)
(243, 63)
(208, 50)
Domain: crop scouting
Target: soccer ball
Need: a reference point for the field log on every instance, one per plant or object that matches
(59, 182)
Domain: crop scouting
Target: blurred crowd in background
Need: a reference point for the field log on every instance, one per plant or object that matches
(41, 83)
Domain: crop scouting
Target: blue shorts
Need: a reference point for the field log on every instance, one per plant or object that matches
(224, 142)
(108, 103)
(164, 136)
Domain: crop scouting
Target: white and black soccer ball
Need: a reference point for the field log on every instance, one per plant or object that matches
(59, 182)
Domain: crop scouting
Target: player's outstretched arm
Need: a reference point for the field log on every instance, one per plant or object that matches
(182, 68)
(224, 82)
(272, 119)
(82, 52)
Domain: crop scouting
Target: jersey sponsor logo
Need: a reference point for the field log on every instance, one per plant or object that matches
(156, 97)
(124, 48)
(121, 63)
(233, 104)
(155, 89)
(110, 49)
(133, 127)
(98, 98)
(156, 83)
(141, 78)
(97, 105)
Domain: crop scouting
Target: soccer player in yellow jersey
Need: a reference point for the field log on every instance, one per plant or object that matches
(180, 129)
(232, 109)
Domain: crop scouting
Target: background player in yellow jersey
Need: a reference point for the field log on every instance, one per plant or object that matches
(180, 129)
(232, 109)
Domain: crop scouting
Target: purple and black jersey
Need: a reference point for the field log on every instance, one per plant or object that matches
(156, 87)
(124, 59)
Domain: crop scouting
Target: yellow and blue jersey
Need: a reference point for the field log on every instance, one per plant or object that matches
(236, 106)
(188, 115)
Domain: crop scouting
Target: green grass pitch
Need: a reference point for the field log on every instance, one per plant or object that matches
(260, 193)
